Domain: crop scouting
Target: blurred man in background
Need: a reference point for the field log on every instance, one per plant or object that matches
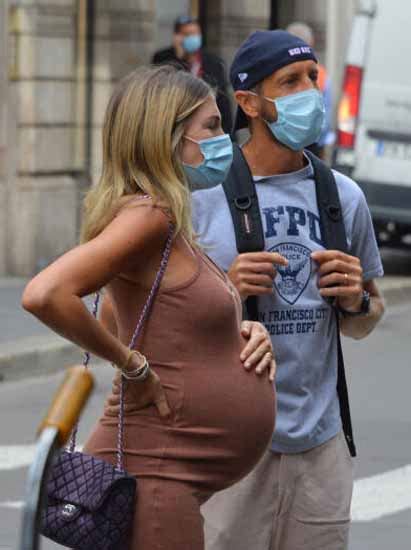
(187, 51)
(327, 137)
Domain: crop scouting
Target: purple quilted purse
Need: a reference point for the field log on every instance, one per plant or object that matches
(90, 503)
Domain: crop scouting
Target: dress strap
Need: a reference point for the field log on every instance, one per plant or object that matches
(213, 266)
(137, 198)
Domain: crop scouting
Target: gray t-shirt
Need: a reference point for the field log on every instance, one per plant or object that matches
(300, 321)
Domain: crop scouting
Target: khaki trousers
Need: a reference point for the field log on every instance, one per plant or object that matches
(288, 502)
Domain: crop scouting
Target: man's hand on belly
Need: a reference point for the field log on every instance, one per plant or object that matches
(258, 352)
(253, 273)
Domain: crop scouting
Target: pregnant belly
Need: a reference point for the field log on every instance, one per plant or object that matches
(222, 423)
(235, 411)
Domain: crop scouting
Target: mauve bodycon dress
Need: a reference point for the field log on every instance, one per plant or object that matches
(222, 416)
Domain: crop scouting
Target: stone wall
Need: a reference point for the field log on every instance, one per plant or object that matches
(42, 192)
(3, 131)
(124, 39)
(229, 22)
(51, 161)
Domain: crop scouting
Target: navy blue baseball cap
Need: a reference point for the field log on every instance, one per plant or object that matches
(263, 53)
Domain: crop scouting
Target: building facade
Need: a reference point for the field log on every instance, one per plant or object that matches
(59, 60)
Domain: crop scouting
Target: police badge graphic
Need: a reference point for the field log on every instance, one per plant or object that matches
(292, 279)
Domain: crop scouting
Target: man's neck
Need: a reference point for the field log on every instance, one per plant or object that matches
(191, 58)
(267, 157)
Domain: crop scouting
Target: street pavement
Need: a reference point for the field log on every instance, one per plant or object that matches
(379, 377)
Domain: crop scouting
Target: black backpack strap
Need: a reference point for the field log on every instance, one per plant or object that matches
(242, 200)
(335, 238)
(329, 206)
(243, 203)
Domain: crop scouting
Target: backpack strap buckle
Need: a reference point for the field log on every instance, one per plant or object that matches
(333, 212)
(243, 203)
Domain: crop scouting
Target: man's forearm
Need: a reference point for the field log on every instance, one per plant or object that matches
(359, 327)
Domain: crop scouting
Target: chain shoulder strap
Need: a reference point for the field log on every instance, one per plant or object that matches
(140, 325)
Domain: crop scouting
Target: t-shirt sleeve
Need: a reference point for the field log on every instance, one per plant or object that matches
(363, 243)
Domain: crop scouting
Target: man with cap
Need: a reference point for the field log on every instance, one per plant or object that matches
(298, 497)
(187, 52)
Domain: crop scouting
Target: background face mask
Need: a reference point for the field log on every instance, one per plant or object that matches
(192, 43)
(218, 156)
(300, 119)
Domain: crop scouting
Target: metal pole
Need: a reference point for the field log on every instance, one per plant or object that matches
(195, 8)
(46, 446)
(332, 50)
(339, 16)
(203, 19)
(274, 22)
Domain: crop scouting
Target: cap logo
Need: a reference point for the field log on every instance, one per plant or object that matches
(243, 76)
(299, 51)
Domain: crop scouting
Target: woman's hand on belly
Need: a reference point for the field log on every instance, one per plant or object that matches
(258, 352)
(138, 395)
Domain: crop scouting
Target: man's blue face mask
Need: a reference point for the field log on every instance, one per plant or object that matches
(192, 43)
(300, 118)
(218, 156)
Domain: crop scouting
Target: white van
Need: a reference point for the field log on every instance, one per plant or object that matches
(374, 115)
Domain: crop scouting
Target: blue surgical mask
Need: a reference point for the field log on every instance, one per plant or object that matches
(218, 156)
(300, 119)
(192, 43)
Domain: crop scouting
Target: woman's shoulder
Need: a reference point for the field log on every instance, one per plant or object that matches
(138, 223)
(141, 208)
(138, 200)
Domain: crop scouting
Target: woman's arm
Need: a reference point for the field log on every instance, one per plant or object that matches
(54, 296)
(106, 316)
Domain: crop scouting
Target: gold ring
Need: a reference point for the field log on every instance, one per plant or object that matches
(346, 278)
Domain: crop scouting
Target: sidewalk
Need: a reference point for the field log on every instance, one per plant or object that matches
(28, 348)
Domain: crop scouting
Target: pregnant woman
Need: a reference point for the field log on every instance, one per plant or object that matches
(199, 420)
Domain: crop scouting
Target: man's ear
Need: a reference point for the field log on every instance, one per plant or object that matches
(249, 103)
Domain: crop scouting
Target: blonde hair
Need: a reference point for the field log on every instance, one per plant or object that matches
(142, 133)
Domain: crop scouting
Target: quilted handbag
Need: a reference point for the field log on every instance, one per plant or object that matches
(90, 502)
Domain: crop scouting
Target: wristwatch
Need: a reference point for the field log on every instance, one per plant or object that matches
(364, 310)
